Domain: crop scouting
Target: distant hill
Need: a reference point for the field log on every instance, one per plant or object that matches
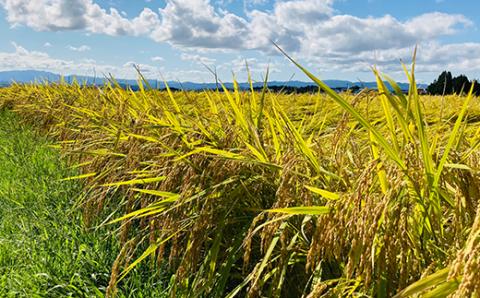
(31, 76)
(27, 76)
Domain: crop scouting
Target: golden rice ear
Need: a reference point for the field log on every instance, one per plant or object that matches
(333, 194)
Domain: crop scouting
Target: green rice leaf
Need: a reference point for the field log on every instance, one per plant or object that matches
(324, 193)
(305, 210)
(136, 181)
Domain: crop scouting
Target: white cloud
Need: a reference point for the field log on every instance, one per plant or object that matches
(47, 45)
(46, 15)
(295, 30)
(257, 68)
(311, 30)
(23, 59)
(306, 27)
(197, 59)
(57, 15)
(255, 2)
(145, 69)
(195, 23)
(157, 59)
(431, 25)
(82, 48)
(432, 58)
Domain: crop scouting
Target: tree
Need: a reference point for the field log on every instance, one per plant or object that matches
(442, 85)
(445, 84)
(461, 84)
(476, 87)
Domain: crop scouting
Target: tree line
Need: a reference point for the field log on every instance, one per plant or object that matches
(446, 84)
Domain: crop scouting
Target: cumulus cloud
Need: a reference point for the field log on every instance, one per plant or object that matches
(431, 25)
(157, 59)
(46, 15)
(294, 29)
(22, 59)
(197, 59)
(307, 27)
(255, 66)
(311, 30)
(82, 48)
(58, 15)
(432, 58)
(145, 69)
(195, 23)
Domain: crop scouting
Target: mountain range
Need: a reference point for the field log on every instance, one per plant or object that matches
(30, 76)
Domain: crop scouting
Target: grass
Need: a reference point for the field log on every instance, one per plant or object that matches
(236, 193)
(45, 249)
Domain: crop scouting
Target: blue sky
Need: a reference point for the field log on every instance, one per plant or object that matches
(175, 39)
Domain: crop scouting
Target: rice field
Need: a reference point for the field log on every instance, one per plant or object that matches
(237, 193)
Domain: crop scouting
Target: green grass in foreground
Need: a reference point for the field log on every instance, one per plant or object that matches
(44, 249)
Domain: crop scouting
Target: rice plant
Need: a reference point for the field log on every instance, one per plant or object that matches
(234, 193)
